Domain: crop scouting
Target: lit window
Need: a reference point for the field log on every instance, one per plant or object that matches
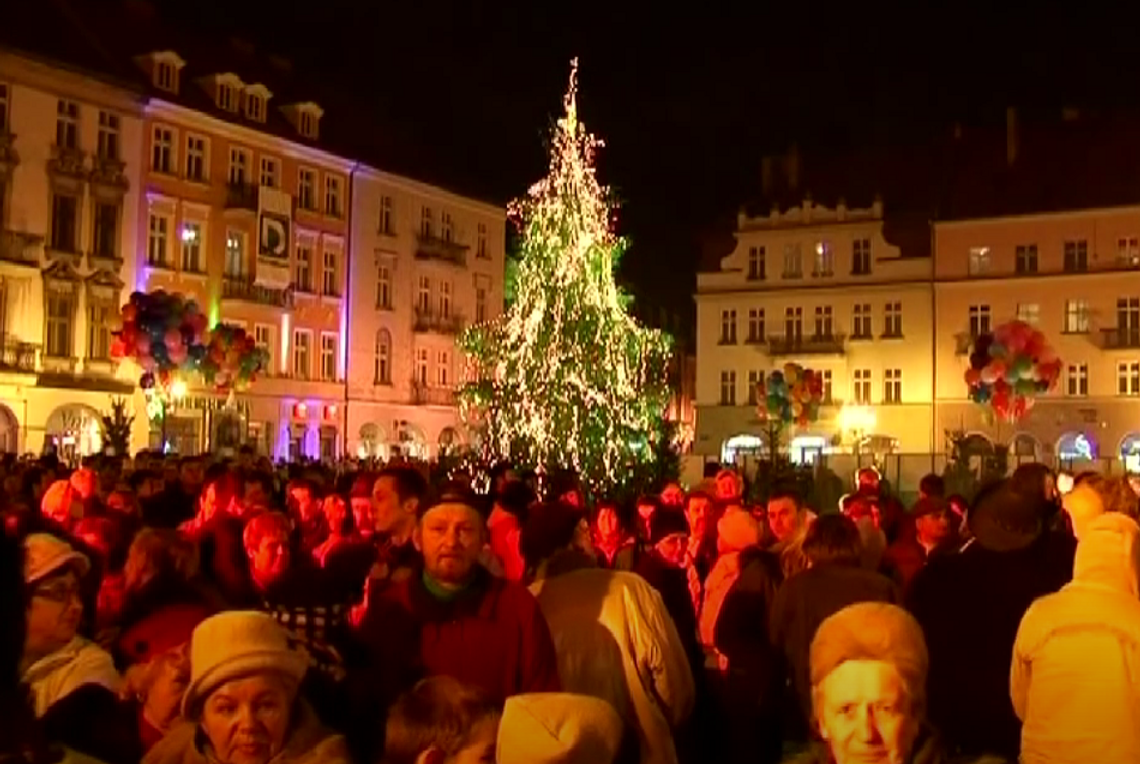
(892, 386)
(728, 327)
(328, 357)
(162, 150)
(862, 391)
(979, 261)
(196, 158)
(108, 147)
(302, 358)
(270, 172)
(307, 189)
(1078, 380)
(728, 388)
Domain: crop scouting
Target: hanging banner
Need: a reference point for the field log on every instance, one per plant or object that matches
(274, 225)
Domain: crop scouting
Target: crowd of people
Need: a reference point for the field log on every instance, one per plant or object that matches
(184, 610)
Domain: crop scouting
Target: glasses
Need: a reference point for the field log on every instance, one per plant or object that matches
(60, 593)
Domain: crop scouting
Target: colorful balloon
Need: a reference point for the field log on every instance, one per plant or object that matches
(1009, 367)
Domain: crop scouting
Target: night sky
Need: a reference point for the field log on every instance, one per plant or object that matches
(687, 103)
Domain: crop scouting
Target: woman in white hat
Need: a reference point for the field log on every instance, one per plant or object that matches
(242, 704)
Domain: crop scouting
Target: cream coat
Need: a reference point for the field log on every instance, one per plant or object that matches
(615, 641)
(1075, 677)
(78, 663)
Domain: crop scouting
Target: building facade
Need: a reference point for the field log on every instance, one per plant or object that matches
(826, 288)
(426, 264)
(69, 195)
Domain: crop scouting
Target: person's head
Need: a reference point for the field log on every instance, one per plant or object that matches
(62, 504)
(396, 498)
(360, 503)
(669, 536)
(258, 491)
(698, 511)
(84, 481)
(159, 553)
(1098, 495)
(737, 531)
(243, 686)
(52, 575)
(606, 521)
(785, 513)
(304, 500)
(441, 721)
(146, 483)
(1035, 480)
(932, 486)
(932, 521)
(859, 506)
(868, 665)
(647, 506)
(220, 493)
(122, 503)
(1002, 519)
(501, 474)
(450, 535)
(337, 515)
(551, 528)
(729, 486)
(191, 473)
(833, 540)
(100, 534)
(867, 481)
(266, 539)
(673, 495)
(516, 497)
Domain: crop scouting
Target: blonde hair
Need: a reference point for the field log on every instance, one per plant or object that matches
(438, 713)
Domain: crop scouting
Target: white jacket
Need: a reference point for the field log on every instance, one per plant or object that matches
(77, 663)
(615, 641)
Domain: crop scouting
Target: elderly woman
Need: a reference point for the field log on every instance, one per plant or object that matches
(868, 689)
(241, 705)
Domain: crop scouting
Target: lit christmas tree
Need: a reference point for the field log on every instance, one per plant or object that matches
(565, 377)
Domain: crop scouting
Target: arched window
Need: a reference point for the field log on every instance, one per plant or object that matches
(1076, 446)
(383, 357)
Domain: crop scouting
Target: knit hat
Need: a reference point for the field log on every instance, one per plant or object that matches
(45, 554)
(558, 727)
(548, 528)
(874, 631)
(1109, 553)
(164, 629)
(667, 522)
(83, 481)
(59, 500)
(236, 644)
(737, 531)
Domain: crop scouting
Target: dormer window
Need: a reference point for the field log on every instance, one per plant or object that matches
(255, 107)
(165, 67)
(166, 76)
(305, 117)
(227, 97)
(308, 125)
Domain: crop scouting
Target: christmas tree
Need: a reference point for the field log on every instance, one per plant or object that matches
(566, 377)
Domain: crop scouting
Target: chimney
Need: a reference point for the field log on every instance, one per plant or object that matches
(766, 176)
(792, 167)
(1011, 136)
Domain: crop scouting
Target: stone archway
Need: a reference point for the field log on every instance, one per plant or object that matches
(450, 442)
(9, 431)
(74, 431)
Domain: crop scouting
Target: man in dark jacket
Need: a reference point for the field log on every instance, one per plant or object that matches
(663, 566)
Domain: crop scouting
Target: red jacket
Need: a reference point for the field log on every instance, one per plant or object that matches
(492, 636)
(504, 531)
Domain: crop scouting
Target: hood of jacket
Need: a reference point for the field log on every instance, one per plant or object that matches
(1108, 554)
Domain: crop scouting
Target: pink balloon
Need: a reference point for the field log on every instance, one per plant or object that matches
(142, 344)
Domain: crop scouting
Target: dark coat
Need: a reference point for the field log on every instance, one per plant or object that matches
(673, 586)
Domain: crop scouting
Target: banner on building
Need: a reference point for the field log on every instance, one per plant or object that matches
(275, 224)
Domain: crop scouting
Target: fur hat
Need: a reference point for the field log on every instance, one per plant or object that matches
(558, 727)
(666, 522)
(45, 554)
(236, 644)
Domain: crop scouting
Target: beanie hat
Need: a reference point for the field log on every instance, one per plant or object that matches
(236, 644)
(737, 531)
(558, 727)
(162, 630)
(59, 499)
(666, 523)
(45, 554)
(874, 631)
(548, 528)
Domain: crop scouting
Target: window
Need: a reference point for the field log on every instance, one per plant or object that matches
(64, 222)
(235, 265)
(824, 259)
(979, 261)
(892, 386)
(383, 357)
(861, 322)
(158, 241)
(728, 327)
(481, 242)
(162, 150)
(862, 391)
(426, 223)
(307, 189)
(1078, 379)
(3, 107)
(826, 378)
(239, 167)
(892, 319)
(108, 145)
(979, 320)
(332, 196)
(307, 125)
(255, 107)
(166, 77)
(446, 225)
(106, 235)
(1076, 317)
(1076, 256)
(98, 331)
(1128, 378)
(60, 314)
(755, 324)
(302, 361)
(861, 257)
(755, 380)
(1029, 312)
(1127, 251)
(445, 299)
(423, 296)
(227, 97)
(387, 224)
(823, 322)
(421, 366)
(270, 172)
(384, 286)
(793, 262)
(480, 305)
(330, 281)
(67, 124)
(1128, 322)
(303, 275)
(793, 324)
(756, 263)
(728, 388)
(328, 357)
(443, 368)
(192, 247)
(1026, 258)
(196, 158)
(263, 339)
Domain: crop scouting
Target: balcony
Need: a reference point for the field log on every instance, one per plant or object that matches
(429, 247)
(67, 161)
(425, 395)
(59, 364)
(1120, 338)
(245, 290)
(17, 356)
(110, 173)
(825, 344)
(241, 196)
(19, 248)
(431, 321)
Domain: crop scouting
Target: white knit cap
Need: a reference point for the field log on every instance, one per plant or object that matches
(545, 728)
(44, 554)
(237, 644)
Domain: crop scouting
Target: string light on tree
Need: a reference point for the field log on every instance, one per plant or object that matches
(566, 376)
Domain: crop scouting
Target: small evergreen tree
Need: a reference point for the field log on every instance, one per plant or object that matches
(117, 428)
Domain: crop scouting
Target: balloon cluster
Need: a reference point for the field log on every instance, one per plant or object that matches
(1009, 367)
(232, 358)
(160, 332)
(791, 395)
